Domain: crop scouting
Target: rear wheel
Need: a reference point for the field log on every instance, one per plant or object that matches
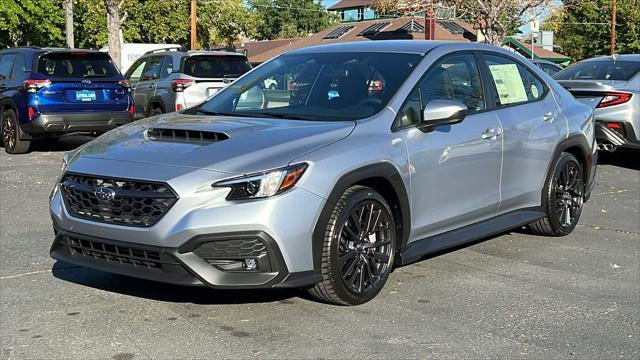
(11, 134)
(358, 248)
(563, 198)
(155, 110)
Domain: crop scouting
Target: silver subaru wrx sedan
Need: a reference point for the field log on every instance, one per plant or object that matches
(370, 155)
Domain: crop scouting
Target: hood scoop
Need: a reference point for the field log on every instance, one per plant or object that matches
(184, 135)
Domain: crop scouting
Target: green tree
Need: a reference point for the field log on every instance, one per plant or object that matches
(279, 19)
(31, 22)
(41, 22)
(584, 29)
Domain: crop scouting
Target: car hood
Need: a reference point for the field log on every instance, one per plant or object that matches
(235, 145)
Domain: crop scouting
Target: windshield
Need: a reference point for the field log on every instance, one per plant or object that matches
(330, 86)
(215, 66)
(76, 65)
(599, 70)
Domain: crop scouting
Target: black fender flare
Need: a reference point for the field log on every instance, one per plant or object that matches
(379, 170)
(6, 102)
(580, 141)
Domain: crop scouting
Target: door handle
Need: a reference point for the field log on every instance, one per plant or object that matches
(491, 134)
(548, 116)
(152, 86)
(3, 86)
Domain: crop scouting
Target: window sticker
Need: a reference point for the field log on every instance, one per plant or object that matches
(508, 83)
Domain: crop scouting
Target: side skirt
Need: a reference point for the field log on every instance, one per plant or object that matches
(418, 249)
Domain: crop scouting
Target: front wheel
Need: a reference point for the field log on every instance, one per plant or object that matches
(563, 198)
(357, 253)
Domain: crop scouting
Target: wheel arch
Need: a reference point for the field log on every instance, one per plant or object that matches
(386, 180)
(578, 146)
(155, 101)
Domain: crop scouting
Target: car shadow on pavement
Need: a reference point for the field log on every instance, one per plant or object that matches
(629, 159)
(168, 292)
(64, 143)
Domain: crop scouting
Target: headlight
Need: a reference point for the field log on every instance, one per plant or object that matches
(264, 184)
(56, 186)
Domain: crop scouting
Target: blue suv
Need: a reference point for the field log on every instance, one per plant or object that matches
(50, 92)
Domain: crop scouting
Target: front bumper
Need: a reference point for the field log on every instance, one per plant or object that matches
(61, 123)
(181, 266)
(284, 224)
(625, 138)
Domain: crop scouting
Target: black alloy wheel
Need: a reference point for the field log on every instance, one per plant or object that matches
(563, 197)
(365, 247)
(358, 248)
(569, 190)
(10, 134)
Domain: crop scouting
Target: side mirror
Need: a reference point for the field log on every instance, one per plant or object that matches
(443, 112)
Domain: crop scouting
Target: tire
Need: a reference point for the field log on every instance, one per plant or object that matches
(156, 110)
(11, 134)
(563, 197)
(356, 256)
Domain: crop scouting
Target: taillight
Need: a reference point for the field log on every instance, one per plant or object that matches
(179, 107)
(32, 86)
(614, 125)
(614, 98)
(124, 83)
(179, 85)
(32, 113)
(132, 110)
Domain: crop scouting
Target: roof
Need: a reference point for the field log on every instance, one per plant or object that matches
(621, 57)
(390, 29)
(386, 46)
(538, 51)
(350, 4)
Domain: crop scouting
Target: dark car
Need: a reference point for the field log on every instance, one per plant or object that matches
(50, 92)
(549, 67)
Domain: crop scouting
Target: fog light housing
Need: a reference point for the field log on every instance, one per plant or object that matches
(250, 264)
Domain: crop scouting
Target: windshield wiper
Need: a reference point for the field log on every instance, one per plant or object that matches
(283, 116)
(95, 75)
(220, 113)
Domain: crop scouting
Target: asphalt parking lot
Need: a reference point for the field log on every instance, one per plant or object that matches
(511, 296)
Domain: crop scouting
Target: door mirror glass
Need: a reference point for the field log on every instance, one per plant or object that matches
(443, 112)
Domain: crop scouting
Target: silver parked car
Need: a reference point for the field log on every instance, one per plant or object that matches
(167, 80)
(611, 86)
(369, 156)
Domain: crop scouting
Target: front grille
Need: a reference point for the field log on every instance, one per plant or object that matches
(112, 253)
(231, 249)
(116, 201)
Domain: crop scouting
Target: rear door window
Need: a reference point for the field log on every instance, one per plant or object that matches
(215, 66)
(76, 65)
(152, 69)
(19, 67)
(6, 64)
(135, 72)
(512, 82)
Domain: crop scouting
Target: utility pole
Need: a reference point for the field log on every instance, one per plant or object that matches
(613, 29)
(68, 10)
(193, 24)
